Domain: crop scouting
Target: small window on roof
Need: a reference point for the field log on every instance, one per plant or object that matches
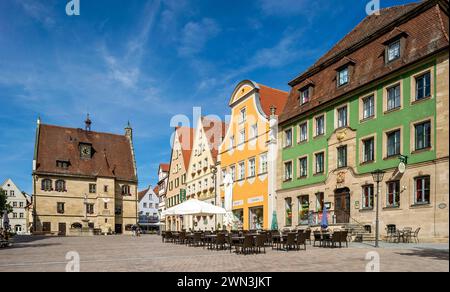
(393, 51)
(343, 76)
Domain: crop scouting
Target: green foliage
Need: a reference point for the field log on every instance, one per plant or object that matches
(3, 204)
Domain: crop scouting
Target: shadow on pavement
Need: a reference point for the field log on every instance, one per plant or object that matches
(428, 253)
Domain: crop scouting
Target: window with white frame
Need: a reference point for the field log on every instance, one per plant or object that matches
(304, 95)
(320, 163)
(252, 167)
(393, 51)
(393, 97)
(367, 197)
(242, 137)
(368, 107)
(320, 125)
(368, 150)
(231, 142)
(393, 143)
(342, 116)
(423, 86)
(393, 194)
(423, 135)
(233, 172)
(343, 76)
(263, 163)
(288, 138)
(342, 156)
(241, 170)
(288, 170)
(422, 190)
(303, 165)
(243, 115)
(303, 129)
(254, 131)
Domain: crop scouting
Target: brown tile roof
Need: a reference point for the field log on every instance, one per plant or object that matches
(186, 136)
(164, 167)
(364, 47)
(156, 190)
(215, 131)
(141, 194)
(272, 97)
(112, 155)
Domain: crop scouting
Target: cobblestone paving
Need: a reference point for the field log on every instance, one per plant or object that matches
(148, 253)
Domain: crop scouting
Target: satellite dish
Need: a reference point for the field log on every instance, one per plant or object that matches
(402, 167)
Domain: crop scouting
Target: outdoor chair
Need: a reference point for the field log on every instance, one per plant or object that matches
(182, 238)
(301, 240)
(308, 235)
(220, 241)
(415, 235)
(246, 246)
(344, 238)
(276, 241)
(326, 239)
(260, 243)
(336, 239)
(197, 239)
(407, 233)
(317, 237)
(290, 242)
(168, 237)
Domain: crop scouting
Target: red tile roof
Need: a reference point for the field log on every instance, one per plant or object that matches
(141, 194)
(424, 25)
(164, 167)
(112, 154)
(272, 97)
(156, 190)
(186, 137)
(215, 131)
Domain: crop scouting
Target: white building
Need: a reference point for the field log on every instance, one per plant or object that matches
(18, 219)
(148, 209)
(161, 191)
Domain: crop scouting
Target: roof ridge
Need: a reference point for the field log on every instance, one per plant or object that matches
(260, 84)
(71, 128)
(441, 21)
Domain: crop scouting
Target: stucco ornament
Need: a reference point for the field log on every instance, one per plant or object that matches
(341, 135)
(340, 179)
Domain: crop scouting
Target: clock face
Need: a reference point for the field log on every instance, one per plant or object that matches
(86, 151)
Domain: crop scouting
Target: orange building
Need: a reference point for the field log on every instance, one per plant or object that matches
(248, 153)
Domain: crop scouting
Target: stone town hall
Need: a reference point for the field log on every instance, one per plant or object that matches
(84, 179)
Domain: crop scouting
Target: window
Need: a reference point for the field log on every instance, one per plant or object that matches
(367, 197)
(60, 208)
(105, 206)
(422, 190)
(206, 183)
(423, 135)
(368, 107)
(342, 156)
(288, 138)
(231, 142)
(206, 163)
(423, 86)
(393, 194)
(224, 173)
(303, 163)
(92, 188)
(62, 164)
(252, 167)
(145, 205)
(303, 210)
(126, 190)
(60, 186)
(304, 95)
(14, 215)
(320, 125)
(242, 137)
(303, 132)
(288, 170)
(368, 150)
(393, 143)
(243, 115)
(105, 189)
(241, 170)
(263, 163)
(393, 97)
(320, 163)
(288, 208)
(233, 173)
(21, 205)
(393, 51)
(177, 182)
(342, 117)
(46, 185)
(151, 206)
(90, 209)
(343, 76)
(12, 194)
(254, 131)
(21, 215)
(14, 204)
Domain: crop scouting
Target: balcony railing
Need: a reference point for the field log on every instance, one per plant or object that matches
(148, 219)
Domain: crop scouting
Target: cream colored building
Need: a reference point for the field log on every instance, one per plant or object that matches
(176, 192)
(83, 181)
(202, 172)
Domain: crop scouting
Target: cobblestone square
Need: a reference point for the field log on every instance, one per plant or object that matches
(149, 254)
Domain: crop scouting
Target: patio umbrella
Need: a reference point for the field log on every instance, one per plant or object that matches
(324, 223)
(274, 221)
(194, 207)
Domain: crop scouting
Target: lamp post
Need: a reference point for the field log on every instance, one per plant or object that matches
(377, 177)
(214, 172)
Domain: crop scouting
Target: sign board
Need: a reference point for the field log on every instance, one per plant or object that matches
(238, 203)
(255, 200)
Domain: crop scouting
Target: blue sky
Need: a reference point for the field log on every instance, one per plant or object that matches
(146, 61)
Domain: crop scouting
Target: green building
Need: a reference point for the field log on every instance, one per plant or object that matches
(377, 100)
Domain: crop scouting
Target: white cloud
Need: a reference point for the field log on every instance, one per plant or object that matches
(195, 35)
(40, 11)
(284, 8)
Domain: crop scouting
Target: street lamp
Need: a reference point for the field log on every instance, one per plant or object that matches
(377, 177)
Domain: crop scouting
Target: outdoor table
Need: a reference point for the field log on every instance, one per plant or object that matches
(209, 239)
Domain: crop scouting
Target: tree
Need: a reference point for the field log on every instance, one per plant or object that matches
(3, 203)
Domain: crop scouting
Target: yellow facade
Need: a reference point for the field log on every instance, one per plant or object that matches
(252, 190)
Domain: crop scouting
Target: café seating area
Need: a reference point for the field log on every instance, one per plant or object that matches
(402, 235)
(256, 241)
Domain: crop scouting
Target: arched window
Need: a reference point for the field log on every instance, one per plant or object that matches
(60, 185)
(46, 185)
(125, 190)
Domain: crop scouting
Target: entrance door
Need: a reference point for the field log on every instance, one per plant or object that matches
(118, 229)
(62, 229)
(342, 205)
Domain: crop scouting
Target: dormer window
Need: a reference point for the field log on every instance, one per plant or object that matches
(62, 164)
(343, 76)
(393, 51)
(305, 95)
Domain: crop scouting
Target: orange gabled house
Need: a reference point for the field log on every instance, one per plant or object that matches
(248, 153)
